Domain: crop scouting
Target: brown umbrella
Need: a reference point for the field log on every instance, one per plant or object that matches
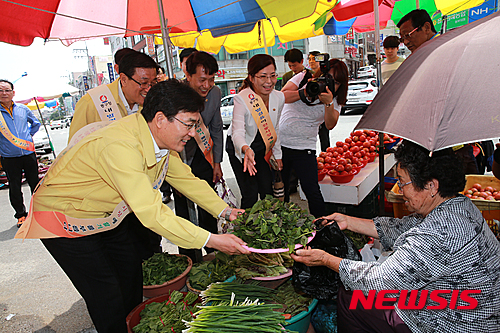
(446, 93)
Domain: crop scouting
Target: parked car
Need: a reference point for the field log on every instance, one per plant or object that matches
(41, 141)
(226, 109)
(367, 71)
(360, 94)
(57, 124)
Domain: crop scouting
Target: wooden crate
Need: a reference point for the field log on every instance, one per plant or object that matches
(485, 181)
(398, 204)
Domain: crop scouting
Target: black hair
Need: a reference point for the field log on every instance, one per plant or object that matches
(160, 69)
(341, 75)
(255, 64)
(391, 42)
(444, 166)
(417, 17)
(171, 97)
(204, 59)
(121, 53)
(131, 61)
(186, 53)
(11, 84)
(314, 53)
(294, 55)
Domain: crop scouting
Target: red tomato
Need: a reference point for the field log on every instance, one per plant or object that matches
(320, 166)
(348, 167)
(372, 149)
(341, 161)
(355, 138)
(329, 155)
(362, 153)
(343, 173)
(320, 159)
(362, 138)
(497, 196)
(328, 159)
(355, 149)
(345, 147)
(348, 140)
(489, 188)
(359, 144)
(322, 154)
(468, 195)
(335, 154)
(477, 186)
(339, 168)
(366, 144)
(358, 133)
(354, 160)
(348, 161)
(372, 133)
(348, 154)
(339, 144)
(330, 150)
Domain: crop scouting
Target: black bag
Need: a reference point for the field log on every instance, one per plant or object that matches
(319, 281)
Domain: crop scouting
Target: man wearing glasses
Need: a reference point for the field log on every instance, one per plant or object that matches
(17, 127)
(204, 150)
(416, 28)
(118, 99)
(124, 96)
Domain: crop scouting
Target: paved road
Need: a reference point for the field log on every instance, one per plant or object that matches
(32, 286)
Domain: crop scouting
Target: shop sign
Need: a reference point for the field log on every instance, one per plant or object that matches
(111, 72)
(151, 45)
(349, 35)
(231, 74)
(232, 91)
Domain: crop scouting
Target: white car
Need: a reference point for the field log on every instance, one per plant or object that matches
(360, 94)
(41, 141)
(367, 71)
(57, 124)
(226, 109)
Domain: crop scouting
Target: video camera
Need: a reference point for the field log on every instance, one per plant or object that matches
(318, 85)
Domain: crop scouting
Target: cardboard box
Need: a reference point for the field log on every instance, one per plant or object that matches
(484, 180)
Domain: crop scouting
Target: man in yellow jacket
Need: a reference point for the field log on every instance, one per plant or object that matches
(78, 211)
(137, 75)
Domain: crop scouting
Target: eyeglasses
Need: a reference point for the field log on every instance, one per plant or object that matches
(267, 77)
(189, 126)
(400, 185)
(144, 85)
(6, 91)
(408, 35)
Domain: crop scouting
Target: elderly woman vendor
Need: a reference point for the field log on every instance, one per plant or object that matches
(444, 245)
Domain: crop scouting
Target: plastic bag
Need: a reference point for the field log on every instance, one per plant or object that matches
(225, 193)
(319, 281)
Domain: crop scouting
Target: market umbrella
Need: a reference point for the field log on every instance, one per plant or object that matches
(362, 11)
(22, 20)
(445, 93)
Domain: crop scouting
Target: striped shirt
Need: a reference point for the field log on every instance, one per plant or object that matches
(452, 248)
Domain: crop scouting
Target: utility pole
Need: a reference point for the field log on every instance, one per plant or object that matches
(84, 53)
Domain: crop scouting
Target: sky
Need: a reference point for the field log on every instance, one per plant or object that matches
(46, 64)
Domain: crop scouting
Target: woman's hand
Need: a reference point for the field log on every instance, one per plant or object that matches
(326, 97)
(310, 257)
(280, 164)
(249, 162)
(227, 243)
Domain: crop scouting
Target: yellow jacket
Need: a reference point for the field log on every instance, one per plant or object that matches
(118, 163)
(86, 113)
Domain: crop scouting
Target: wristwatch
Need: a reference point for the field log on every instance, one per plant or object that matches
(330, 104)
(229, 210)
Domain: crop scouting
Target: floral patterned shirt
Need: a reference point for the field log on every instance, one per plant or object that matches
(452, 248)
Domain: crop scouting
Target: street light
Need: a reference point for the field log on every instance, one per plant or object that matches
(24, 74)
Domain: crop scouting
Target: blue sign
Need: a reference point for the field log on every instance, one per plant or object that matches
(111, 72)
(478, 12)
(85, 83)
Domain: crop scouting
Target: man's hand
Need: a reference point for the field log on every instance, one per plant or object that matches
(227, 243)
(217, 175)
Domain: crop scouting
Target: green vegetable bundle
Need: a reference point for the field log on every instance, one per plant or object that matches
(225, 291)
(237, 318)
(261, 264)
(293, 302)
(204, 273)
(168, 316)
(162, 267)
(273, 224)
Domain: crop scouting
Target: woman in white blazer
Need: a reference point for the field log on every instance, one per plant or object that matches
(245, 145)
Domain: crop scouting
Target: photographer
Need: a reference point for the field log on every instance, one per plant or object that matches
(299, 123)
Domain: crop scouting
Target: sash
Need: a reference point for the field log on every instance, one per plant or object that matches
(51, 224)
(105, 103)
(261, 117)
(20, 143)
(204, 141)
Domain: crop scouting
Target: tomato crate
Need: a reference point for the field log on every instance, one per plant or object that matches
(367, 209)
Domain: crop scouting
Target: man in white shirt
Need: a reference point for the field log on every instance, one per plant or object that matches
(392, 62)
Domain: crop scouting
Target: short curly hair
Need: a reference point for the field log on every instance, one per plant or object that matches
(444, 166)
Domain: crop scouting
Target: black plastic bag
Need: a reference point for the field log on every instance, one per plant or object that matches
(319, 281)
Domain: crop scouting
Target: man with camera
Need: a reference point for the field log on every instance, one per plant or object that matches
(301, 118)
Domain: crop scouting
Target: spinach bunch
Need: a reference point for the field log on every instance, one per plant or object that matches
(273, 224)
(204, 273)
(162, 267)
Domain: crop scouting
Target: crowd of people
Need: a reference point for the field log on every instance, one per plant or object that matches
(100, 212)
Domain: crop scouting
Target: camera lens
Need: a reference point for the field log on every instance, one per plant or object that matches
(313, 89)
